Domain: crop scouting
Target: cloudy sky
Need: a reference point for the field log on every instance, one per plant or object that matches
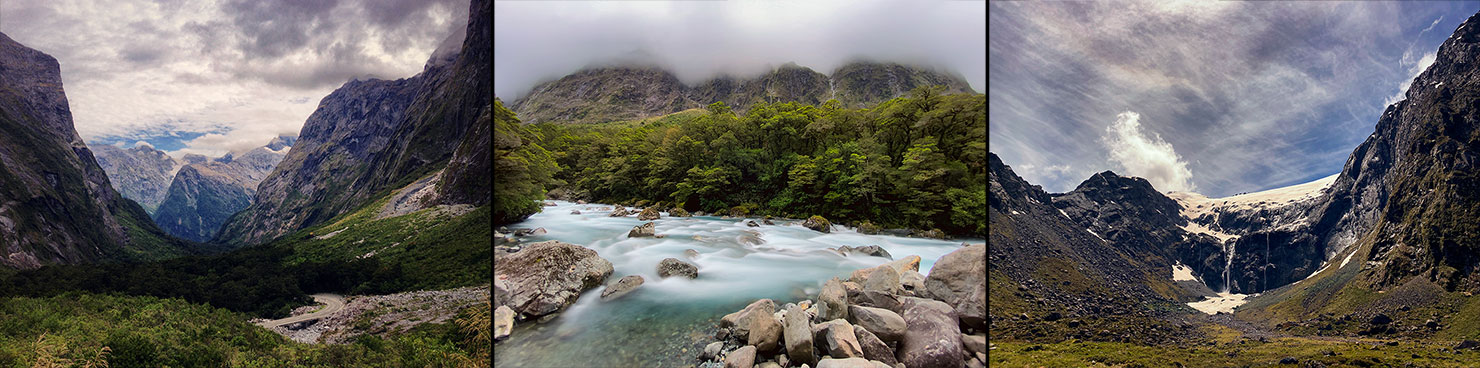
(1217, 97)
(203, 76)
(536, 41)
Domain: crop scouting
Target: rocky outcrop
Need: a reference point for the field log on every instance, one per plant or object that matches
(546, 276)
(959, 278)
(142, 173)
(203, 196)
(624, 285)
(933, 338)
(649, 214)
(674, 267)
(644, 230)
(678, 212)
(817, 223)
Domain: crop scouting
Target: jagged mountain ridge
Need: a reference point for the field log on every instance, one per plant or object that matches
(370, 137)
(634, 92)
(141, 173)
(57, 205)
(203, 195)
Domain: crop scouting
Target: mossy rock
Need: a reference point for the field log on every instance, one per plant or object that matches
(818, 223)
(678, 212)
(868, 228)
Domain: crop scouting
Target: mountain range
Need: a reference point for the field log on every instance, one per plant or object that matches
(635, 92)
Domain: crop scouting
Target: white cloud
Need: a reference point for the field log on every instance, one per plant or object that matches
(1418, 68)
(142, 144)
(1146, 155)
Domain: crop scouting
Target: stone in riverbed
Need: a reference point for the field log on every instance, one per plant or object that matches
(884, 279)
(769, 365)
(642, 230)
(575, 212)
(887, 325)
(621, 287)
(933, 338)
(752, 223)
(959, 278)
(873, 347)
(546, 276)
(678, 212)
(974, 343)
(817, 223)
(833, 301)
(649, 214)
(912, 281)
(838, 336)
(690, 253)
(503, 322)
(712, 350)
(850, 363)
(674, 267)
(910, 263)
(876, 299)
(742, 320)
(798, 336)
(765, 333)
(619, 212)
(744, 357)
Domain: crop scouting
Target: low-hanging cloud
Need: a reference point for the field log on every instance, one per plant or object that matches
(539, 41)
(1145, 154)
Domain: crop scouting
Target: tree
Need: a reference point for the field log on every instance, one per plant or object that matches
(522, 168)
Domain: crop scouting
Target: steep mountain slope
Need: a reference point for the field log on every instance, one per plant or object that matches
(203, 195)
(370, 137)
(56, 203)
(141, 173)
(637, 92)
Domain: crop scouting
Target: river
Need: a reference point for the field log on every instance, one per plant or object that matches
(666, 322)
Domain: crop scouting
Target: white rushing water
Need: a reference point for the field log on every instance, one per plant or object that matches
(737, 265)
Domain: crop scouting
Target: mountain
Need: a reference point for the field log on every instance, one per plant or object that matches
(369, 138)
(56, 203)
(203, 195)
(635, 92)
(141, 173)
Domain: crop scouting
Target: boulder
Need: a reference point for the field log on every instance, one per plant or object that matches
(832, 302)
(580, 201)
(741, 320)
(846, 363)
(817, 223)
(744, 357)
(503, 322)
(885, 279)
(767, 222)
(547, 276)
(769, 365)
(549, 204)
(868, 228)
(678, 212)
(797, 335)
(690, 253)
(538, 231)
(959, 278)
(873, 347)
(619, 212)
(649, 214)
(643, 230)
(839, 339)
(910, 263)
(752, 223)
(621, 287)
(699, 213)
(1380, 319)
(876, 299)
(974, 343)
(912, 281)
(885, 324)
(933, 234)
(765, 333)
(575, 212)
(873, 250)
(933, 338)
(674, 267)
(712, 350)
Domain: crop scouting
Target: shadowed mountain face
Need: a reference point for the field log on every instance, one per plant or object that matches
(203, 195)
(142, 173)
(56, 204)
(626, 93)
(370, 137)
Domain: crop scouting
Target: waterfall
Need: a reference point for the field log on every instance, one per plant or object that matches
(834, 91)
(1227, 268)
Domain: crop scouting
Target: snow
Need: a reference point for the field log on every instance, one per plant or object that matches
(1348, 258)
(1196, 205)
(1224, 302)
(1324, 265)
(1182, 273)
(1014, 212)
(1066, 214)
(1092, 232)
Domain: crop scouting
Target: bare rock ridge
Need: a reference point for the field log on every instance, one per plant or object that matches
(373, 136)
(203, 195)
(57, 205)
(634, 92)
(142, 173)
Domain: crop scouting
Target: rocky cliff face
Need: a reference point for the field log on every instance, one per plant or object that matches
(56, 204)
(370, 137)
(141, 173)
(626, 93)
(203, 195)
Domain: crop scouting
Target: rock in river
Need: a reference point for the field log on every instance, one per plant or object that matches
(546, 276)
(623, 286)
(675, 267)
(959, 278)
(642, 230)
(933, 338)
(649, 214)
(818, 223)
(885, 324)
(503, 322)
(798, 336)
(744, 357)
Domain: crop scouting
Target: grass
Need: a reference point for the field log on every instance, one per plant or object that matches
(1229, 353)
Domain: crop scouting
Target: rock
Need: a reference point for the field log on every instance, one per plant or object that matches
(868, 228)
(933, 234)
(752, 223)
(678, 212)
(1289, 360)
(912, 281)
(933, 338)
(832, 303)
(549, 204)
(638, 231)
(621, 287)
(873, 347)
(959, 278)
(690, 253)
(885, 279)
(741, 320)
(797, 336)
(817, 223)
(974, 343)
(1467, 344)
(580, 201)
(1052, 316)
(767, 222)
(1432, 324)
(744, 357)
(619, 212)
(876, 299)
(837, 335)
(782, 360)
(873, 250)
(1380, 319)
(503, 322)
(765, 333)
(975, 363)
(885, 324)
(712, 350)
(538, 231)
(769, 365)
(575, 212)
(649, 214)
(699, 213)
(675, 267)
(910, 263)
(547, 276)
(846, 363)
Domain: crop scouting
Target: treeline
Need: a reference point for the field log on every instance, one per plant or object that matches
(912, 162)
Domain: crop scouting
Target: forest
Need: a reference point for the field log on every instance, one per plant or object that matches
(915, 162)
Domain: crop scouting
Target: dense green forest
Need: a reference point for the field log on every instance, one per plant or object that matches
(911, 162)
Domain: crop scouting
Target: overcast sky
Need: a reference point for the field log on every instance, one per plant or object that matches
(209, 77)
(1218, 97)
(536, 41)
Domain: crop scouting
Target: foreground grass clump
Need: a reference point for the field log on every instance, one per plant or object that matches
(1242, 353)
(106, 330)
